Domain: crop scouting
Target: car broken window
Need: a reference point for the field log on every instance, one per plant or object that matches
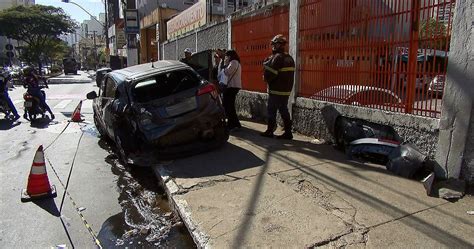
(165, 84)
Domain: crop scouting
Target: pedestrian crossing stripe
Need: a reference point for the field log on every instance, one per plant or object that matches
(62, 104)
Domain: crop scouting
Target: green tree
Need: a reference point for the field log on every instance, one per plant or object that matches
(433, 34)
(56, 50)
(37, 26)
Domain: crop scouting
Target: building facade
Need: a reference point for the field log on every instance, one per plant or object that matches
(5, 4)
(154, 16)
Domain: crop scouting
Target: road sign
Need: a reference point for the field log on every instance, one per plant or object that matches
(10, 54)
(132, 22)
(9, 47)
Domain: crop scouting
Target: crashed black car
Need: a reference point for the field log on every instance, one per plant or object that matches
(163, 109)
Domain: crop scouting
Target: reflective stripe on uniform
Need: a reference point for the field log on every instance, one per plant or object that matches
(287, 69)
(271, 70)
(279, 93)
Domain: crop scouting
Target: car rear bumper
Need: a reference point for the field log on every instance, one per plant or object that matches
(185, 129)
(153, 155)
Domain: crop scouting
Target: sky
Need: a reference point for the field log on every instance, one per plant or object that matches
(92, 6)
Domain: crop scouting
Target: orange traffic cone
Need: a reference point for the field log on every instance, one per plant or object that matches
(38, 184)
(76, 115)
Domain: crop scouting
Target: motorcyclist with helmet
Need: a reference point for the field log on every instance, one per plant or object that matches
(4, 93)
(32, 83)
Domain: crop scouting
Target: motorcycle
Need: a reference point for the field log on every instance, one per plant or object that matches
(33, 107)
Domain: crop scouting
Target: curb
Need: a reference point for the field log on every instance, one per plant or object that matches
(61, 81)
(180, 206)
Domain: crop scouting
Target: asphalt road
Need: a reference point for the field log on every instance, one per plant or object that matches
(103, 191)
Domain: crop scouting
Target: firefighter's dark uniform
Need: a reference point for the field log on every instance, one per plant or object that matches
(279, 71)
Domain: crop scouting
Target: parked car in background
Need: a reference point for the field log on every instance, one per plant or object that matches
(359, 95)
(70, 65)
(163, 108)
(46, 70)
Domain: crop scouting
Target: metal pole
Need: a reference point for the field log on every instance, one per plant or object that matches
(106, 30)
(412, 57)
(210, 10)
(95, 51)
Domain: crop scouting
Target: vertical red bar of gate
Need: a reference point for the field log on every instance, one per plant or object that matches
(412, 56)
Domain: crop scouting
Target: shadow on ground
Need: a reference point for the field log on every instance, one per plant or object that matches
(7, 124)
(48, 205)
(228, 159)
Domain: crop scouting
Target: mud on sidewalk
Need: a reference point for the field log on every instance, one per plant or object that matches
(257, 192)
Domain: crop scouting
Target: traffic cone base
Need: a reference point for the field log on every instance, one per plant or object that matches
(25, 197)
(76, 115)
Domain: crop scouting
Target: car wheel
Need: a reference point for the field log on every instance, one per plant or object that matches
(126, 143)
(122, 154)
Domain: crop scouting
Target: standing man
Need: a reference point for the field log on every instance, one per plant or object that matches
(278, 73)
(4, 78)
(187, 56)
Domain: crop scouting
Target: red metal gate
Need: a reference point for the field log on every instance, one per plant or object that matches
(251, 39)
(389, 55)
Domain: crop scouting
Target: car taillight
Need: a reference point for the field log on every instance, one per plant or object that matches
(209, 88)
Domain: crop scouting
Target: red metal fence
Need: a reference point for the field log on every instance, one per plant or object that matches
(389, 55)
(251, 39)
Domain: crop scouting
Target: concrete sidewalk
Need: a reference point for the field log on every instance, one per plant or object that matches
(260, 192)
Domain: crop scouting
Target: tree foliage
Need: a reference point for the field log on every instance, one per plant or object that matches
(54, 50)
(431, 28)
(37, 26)
(433, 34)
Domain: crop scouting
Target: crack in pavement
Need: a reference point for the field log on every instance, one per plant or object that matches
(355, 233)
(183, 190)
(344, 239)
(323, 195)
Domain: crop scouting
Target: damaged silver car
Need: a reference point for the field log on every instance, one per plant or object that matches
(162, 110)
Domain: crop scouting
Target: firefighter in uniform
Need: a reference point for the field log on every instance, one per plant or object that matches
(279, 71)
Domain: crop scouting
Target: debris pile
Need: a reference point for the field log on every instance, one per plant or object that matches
(381, 144)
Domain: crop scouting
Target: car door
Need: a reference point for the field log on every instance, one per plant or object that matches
(202, 63)
(108, 94)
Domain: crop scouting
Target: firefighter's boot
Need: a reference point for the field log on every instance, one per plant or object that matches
(271, 127)
(287, 134)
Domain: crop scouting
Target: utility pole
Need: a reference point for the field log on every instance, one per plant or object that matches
(106, 31)
(95, 48)
(95, 51)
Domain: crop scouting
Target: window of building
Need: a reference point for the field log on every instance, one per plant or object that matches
(189, 2)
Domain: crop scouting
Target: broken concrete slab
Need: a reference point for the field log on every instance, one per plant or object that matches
(428, 183)
(257, 213)
(451, 189)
